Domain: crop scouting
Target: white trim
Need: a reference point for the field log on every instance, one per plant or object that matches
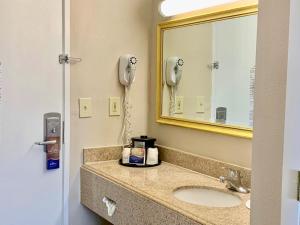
(66, 146)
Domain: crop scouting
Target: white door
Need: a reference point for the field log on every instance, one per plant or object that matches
(31, 38)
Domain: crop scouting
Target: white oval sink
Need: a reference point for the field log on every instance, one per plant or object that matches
(204, 196)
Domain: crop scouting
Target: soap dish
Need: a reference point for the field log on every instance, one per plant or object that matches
(138, 166)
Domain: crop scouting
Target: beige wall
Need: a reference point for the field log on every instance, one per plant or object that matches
(226, 148)
(98, 43)
(101, 31)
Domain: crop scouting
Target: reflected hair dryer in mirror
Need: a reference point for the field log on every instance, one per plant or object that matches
(174, 68)
(173, 74)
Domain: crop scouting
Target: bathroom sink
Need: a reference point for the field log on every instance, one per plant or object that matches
(205, 196)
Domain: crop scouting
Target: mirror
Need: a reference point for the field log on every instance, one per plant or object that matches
(206, 72)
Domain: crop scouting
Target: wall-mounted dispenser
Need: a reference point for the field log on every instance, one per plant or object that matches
(127, 67)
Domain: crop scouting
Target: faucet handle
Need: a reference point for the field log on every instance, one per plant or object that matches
(233, 173)
(222, 179)
(233, 180)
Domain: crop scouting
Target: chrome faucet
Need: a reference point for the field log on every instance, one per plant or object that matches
(234, 181)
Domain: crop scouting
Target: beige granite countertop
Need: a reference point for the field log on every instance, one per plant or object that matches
(158, 183)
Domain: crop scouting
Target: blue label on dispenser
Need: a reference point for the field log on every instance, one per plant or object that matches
(52, 164)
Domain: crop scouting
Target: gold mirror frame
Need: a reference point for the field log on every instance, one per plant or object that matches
(217, 14)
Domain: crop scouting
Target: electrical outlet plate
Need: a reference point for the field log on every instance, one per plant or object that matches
(85, 107)
(179, 102)
(114, 106)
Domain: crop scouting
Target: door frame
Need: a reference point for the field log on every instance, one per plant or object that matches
(275, 155)
(66, 107)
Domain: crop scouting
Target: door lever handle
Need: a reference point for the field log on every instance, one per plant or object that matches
(46, 142)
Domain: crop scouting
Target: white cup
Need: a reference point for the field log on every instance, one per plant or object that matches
(152, 156)
(126, 155)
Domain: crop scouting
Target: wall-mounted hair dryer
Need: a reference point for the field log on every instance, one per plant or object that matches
(127, 67)
(174, 67)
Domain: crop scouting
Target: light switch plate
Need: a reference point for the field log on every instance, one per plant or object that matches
(200, 107)
(85, 107)
(179, 102)
(114, 106)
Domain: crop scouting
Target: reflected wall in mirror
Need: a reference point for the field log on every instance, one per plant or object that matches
(207, 72)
